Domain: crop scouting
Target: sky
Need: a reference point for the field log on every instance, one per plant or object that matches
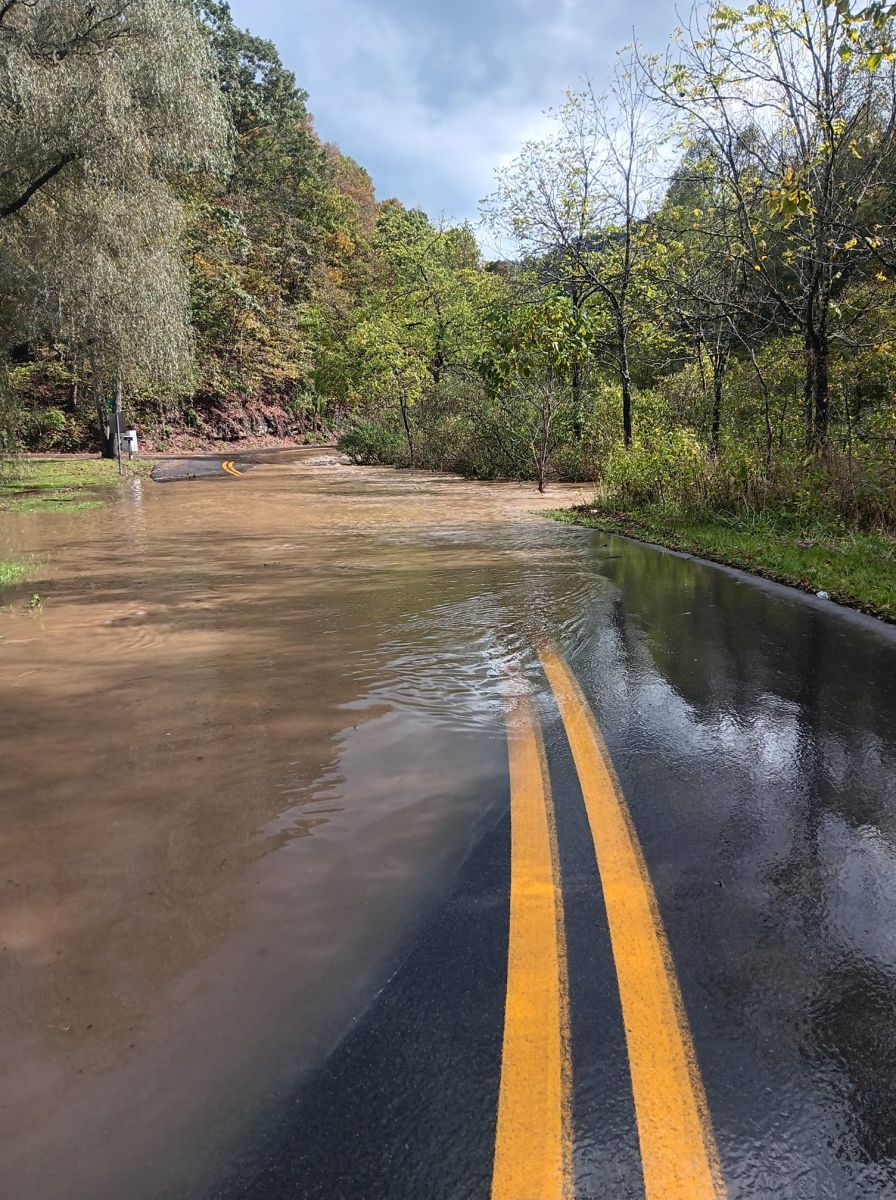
(432, 95)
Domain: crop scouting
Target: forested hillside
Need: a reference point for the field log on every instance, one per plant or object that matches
(695, 308)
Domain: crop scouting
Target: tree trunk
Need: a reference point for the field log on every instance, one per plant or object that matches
(578, 422)
(808, 388)
(821, 396)
(626, 381)
(816, 388)
(540, 467)
(718, 379)
(107, 447)
(541, 450)
(116, 423)
(405, 420)
(625, 377)
(699, 343)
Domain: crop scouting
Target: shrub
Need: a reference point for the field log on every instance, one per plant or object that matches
(665, 469)
(370, 443)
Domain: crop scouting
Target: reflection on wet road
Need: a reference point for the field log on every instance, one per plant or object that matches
(280, 916)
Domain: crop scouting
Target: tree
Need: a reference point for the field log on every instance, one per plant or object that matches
(575, 203)
(420, 326)
(104, 104)
(803, 129)
(706, 295)
(526, 371)
(264, 241)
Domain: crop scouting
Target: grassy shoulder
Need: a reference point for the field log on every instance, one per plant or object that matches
(855, 569)
(12, 572)
(64, 483)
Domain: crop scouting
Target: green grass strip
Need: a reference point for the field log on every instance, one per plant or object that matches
(11, 572)
(855, 569)
(63, 484)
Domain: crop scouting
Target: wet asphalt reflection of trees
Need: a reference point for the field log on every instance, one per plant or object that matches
(762, 730)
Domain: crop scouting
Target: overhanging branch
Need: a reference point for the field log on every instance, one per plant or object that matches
(42, 180)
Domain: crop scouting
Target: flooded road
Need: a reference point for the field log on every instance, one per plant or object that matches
(256, 850)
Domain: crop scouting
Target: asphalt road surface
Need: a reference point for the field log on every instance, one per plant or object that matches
(575, 1021)
(204, 467)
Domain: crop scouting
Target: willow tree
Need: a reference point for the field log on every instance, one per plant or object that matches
(104, 105)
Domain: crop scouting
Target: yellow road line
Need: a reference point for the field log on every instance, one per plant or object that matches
(230, 467)
(678, 1150)
(533, 1145)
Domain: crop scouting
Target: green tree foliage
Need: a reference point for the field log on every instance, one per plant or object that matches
(799, 134)
(104, 104)
(418, 332)
(528, 374)
(699, 314)
(279, 249)
(255, 237)
(575, 202)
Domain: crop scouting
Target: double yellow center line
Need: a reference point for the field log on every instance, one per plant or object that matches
(533, 1143)
(230, 467)
(533, 1149)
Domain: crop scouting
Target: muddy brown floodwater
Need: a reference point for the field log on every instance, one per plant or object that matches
(252, 727)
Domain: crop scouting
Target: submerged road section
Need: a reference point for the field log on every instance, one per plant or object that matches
(366, 835)
(200, 466)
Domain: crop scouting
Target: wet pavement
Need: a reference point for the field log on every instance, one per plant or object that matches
(257, 854)
(206, 467)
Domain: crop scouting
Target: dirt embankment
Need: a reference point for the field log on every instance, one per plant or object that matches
(59, 417)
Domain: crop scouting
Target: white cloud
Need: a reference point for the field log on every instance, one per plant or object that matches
(431, 98)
